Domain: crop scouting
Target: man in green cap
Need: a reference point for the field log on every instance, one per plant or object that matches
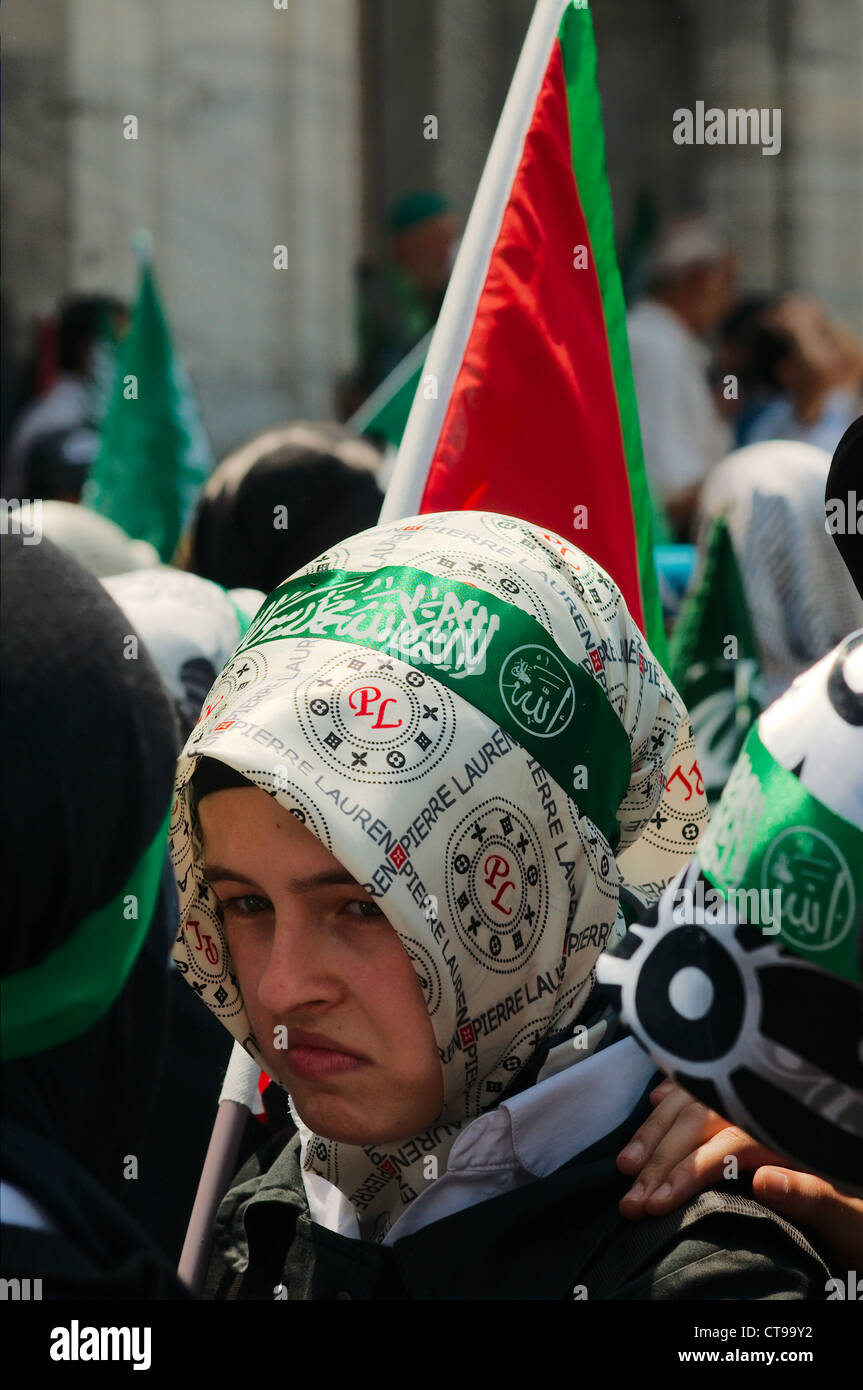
(399, 300)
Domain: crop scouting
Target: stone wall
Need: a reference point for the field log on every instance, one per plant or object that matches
(260, 127)
(247, 139)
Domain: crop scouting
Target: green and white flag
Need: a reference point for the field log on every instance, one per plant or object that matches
(101, 370)
(385, 412)
(154, 455)
(714, 662)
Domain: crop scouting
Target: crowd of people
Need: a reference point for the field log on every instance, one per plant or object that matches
(508, 1051)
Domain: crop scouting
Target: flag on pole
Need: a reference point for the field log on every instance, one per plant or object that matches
(714, 662)
(154, 455)
(528, 405)
(385, 412)
(101, 370)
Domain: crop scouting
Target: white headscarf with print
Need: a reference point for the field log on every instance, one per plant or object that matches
(461, 708)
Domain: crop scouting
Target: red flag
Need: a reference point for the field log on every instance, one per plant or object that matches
(534, 413)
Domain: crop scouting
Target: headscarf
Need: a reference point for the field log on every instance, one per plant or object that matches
(189, 626)
(744, 982)
(87, 782)
(460, 707)
(800, 596)
(281, 499)
(98, 544)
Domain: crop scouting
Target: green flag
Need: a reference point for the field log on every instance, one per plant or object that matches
(154, 455)
(714, 662)
(385, 412)
(101, 370)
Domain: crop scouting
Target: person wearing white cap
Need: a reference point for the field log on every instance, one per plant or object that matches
(690, 288)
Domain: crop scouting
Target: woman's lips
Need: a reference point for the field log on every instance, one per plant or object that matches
(313, 1059)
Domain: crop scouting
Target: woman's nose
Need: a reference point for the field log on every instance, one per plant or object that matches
(298, 969)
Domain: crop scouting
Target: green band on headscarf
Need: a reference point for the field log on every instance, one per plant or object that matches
(496, 656)
(770, 835)
(67, 993)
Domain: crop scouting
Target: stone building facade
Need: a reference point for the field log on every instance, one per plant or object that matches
(300, 122)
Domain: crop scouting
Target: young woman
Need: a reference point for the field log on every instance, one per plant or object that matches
(400, 835)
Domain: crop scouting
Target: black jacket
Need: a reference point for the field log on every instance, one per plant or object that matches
(560, 1237)
(96, 1251)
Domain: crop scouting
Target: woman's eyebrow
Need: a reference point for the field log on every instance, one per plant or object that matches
(214, 873)
(324, 879)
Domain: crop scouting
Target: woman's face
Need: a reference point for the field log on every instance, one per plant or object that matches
(319, 964)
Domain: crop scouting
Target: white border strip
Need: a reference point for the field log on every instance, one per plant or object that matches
(451, 333)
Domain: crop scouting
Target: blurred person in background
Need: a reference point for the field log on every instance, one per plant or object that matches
(56, 464)
(190, 627)
(844, 503)
(690, 286)
(738, 356)
(399, 299)
(279, 500)
(89, 915)
(814, 366)
(65, 404)
(97, 543)
(800, 596)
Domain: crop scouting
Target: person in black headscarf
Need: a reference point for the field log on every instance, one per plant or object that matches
(844, 500)
(280, 500)
(86, 794)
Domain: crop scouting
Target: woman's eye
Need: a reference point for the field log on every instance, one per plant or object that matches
(248, 905)
(360, 907)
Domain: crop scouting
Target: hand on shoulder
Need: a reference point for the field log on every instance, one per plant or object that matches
(684, 1147)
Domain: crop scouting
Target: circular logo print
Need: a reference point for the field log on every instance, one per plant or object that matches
(203, 934)
(504, 580)
(375, 719)
(335, 559)
(496, 885)
(537, 691)
(249, 668)
(815, 885)
(427, 973)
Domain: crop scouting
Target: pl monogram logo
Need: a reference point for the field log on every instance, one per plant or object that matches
(496, 867)
(496, 886)
(206, 966)
(537, 691)
(367, 702)
(375, 720)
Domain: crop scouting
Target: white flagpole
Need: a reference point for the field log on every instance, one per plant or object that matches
(238, 1098)
(450, 335)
